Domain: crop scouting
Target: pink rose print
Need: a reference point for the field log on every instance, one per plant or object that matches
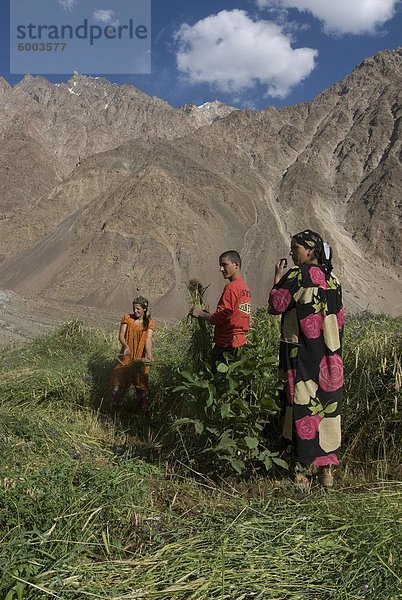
(279, 300)
(317, 277)
(323, 461)
(339, 318)
(312, 325)
(307, 427)
(331, 373)
(290, 385)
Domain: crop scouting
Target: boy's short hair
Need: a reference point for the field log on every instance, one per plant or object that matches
(232, 255)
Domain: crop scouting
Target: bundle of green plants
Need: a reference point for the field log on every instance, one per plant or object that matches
(200, 329)
(372, 415)
(216, 405)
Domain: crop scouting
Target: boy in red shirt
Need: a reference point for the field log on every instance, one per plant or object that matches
(232, 316)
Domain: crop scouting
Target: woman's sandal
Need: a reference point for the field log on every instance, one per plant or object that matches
(326, 478)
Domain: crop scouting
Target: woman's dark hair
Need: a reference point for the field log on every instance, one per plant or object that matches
(143, 302)
(321, 250)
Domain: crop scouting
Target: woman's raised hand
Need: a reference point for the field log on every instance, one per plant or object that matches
(280, 269)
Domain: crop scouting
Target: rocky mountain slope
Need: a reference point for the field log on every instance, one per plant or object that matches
(99, 201)
(47, 130)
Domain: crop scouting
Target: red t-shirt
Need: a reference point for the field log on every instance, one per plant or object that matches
(232, 315)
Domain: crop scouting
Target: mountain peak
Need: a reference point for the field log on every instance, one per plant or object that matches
(384, 61)
(208, 112)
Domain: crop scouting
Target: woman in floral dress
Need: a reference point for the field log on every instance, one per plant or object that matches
(309, 298)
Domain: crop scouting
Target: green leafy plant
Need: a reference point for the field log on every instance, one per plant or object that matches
(229, 409)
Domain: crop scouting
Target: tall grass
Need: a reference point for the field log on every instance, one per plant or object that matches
(55, 367)
(372, 416)
(73, 366)
(81, 516)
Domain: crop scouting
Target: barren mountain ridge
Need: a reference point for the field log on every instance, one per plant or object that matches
(106, 191)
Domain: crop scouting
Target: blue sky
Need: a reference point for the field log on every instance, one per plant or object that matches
(250, 53)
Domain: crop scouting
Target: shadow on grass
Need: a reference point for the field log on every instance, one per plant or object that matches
(140, 433)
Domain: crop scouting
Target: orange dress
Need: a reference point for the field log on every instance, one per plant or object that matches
(129, 368)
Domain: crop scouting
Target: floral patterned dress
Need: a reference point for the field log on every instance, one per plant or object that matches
(310, 361)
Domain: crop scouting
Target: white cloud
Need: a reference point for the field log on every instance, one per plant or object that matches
(105, 16)
(342, 16)
(67, 5)
(232, 52)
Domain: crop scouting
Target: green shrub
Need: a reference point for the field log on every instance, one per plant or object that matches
(229, 407)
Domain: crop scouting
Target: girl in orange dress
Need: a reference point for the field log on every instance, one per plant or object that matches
(132, 366)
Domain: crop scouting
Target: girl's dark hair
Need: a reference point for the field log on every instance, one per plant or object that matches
(313, 241)
(143, 302)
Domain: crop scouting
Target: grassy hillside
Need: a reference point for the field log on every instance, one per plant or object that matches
(93, 509)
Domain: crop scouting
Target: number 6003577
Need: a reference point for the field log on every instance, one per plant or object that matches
(42, 47)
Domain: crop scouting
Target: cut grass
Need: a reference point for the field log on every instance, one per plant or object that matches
(203, 541)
